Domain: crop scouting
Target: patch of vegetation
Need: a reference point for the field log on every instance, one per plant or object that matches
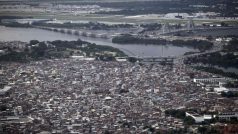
(36, 50)
(14, 56)
(151, 27)
(226, 58)
(132, 59)
(229, 94)
(13, 24)
(232, 45)
(162, 7)
(202, 45)
(176, 113)
(217, 58)
(138, 7)
(189, 53)
(16, 24)
(181, 115)
(216, 71)
(12, 17)
(232, 84)
(129, 39)
(89, 25)
(188, 120)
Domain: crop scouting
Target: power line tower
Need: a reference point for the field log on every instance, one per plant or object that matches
(190, 24)
(165, 28)
(162, 50)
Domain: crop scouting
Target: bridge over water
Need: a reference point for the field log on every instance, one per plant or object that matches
(151, 59)
(79, 32)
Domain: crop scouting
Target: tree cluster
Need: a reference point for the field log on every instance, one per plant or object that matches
(202, 45)
(217, 71)
(181, 115)
(89, 25)
(176, 113)
(229, 94)
(223, 60)
(36, 50)
(232, 46)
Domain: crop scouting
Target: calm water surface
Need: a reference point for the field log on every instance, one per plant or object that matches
(27, 34)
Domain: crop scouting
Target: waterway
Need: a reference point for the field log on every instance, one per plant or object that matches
(27, 34)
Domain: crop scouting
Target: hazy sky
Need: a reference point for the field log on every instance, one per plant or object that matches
(89, 0)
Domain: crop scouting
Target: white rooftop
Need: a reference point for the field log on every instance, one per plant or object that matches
(5, 89)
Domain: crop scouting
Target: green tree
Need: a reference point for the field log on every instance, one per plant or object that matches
(202, 130)
(132, 59)
(188, 120)
(33, 42)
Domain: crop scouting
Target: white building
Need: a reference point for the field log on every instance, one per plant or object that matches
(121, 59)
(228, 115)
(77, 57)
(2, 51)
(220, 89)
(210, 80)
(5, 90)
(198, 118)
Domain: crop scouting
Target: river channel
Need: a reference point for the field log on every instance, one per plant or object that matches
(27, 34)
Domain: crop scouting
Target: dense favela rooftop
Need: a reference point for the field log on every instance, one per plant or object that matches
(80, 96)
